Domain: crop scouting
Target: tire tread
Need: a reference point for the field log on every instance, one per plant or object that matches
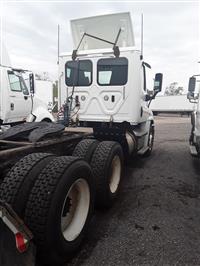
(85, 149)
(99, 167)
(40, 198)
(12, 185)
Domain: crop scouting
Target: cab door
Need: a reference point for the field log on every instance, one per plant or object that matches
(19, 101)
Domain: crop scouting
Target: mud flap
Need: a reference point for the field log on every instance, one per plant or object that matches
(9, 255)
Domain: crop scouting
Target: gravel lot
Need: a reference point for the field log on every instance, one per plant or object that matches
(156, 219)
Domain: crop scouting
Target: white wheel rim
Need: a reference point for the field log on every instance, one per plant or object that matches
(115, 174)
(75, 209)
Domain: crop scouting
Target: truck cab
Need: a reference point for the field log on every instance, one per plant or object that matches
(17, 103)
(103, 82)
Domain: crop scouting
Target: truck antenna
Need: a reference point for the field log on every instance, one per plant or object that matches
(141, 56)
(58, 43)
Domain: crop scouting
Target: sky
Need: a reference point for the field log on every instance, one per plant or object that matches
(171, 33)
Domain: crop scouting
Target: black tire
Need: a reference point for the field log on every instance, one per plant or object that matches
(150, 141)
(103, 163)
(18, 182)
(47, 120)
(85, 149)
(49, 199)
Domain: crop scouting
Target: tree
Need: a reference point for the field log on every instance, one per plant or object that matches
(173, 89)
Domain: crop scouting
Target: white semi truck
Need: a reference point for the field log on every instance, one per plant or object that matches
(17, 103)
(104, 87)
(193, 96)
(65, 171)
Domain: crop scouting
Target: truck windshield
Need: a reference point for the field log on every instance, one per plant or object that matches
(112, 71)
(78, 73)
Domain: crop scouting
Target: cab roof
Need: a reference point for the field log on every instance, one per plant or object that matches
(100, 52)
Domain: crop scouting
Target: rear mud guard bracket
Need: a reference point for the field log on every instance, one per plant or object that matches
(15, 239)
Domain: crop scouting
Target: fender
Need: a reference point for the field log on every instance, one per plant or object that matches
(151, 118)
(149, 122)
(42, 114)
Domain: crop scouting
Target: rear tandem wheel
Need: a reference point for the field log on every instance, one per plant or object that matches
(85, 149)
(107, 168)
(59, 208)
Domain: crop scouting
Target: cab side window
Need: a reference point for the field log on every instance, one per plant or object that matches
(14, 82)
(17, 84)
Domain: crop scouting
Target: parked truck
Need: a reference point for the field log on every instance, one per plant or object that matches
(17, 103)
(193, 96)
(53, 175)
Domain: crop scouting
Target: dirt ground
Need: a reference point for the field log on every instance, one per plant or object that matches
(156, 219)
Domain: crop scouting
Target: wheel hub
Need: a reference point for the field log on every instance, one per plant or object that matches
(75, 209)
(115, 174)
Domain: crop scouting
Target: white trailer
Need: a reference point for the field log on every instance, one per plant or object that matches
(17, 103)
(177, 104)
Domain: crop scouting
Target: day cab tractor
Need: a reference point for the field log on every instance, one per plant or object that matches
(53, 175)
(17, 102)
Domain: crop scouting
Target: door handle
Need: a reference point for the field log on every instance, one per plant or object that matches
(25, 97)
(12, 106)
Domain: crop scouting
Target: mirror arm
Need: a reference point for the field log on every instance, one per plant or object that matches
(154, 95)
(147, 98)
(150, 98)
(192, 97)
(193, 101)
